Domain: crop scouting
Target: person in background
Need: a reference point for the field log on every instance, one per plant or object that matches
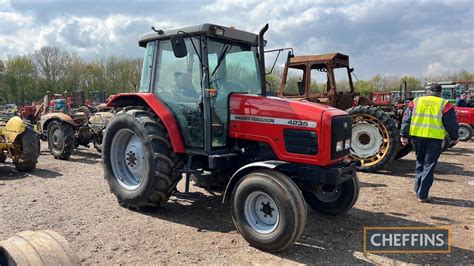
(427, 120)
(461, 101)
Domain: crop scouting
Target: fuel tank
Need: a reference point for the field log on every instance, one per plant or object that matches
(298, 131)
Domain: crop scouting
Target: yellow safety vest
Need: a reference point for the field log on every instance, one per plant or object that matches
(427, 117)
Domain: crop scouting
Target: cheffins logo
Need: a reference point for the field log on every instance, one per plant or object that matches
(407, 240)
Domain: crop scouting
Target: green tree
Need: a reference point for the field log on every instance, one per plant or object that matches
(21, 73)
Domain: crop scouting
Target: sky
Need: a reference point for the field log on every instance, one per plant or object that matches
(417, 38)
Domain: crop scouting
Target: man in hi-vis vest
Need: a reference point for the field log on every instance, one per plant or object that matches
(427, 120)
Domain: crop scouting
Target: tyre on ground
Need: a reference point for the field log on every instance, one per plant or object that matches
(334, 199)
(43, 247)
(61, 139)
(375, 138)
(268, 210)
(138, 159)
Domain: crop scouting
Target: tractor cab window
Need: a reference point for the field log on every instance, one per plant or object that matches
(319, 81)
(145, 80)
(233, 68)
(341, 76)
(178, 85)
(294, 82)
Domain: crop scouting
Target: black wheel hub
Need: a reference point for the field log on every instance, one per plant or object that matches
(267, 209)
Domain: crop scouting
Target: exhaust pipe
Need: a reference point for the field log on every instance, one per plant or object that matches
(262, 59)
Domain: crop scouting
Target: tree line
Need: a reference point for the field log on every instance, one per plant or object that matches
(25, 78)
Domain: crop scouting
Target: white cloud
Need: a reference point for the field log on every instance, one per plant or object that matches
(380, 36)
(435, 69)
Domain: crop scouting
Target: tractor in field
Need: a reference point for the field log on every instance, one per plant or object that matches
(375, 139)
(66, 123)
(20, 143)
(203, 112)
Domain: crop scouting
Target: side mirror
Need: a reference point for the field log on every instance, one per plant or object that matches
(179, 46)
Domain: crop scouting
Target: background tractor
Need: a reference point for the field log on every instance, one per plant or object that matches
(20, 143)
(327, 79)
(66, 122)
(203, 110)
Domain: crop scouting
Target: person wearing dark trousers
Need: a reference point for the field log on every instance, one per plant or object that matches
(426, 121)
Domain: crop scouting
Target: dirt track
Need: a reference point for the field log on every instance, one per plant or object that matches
(72, 198)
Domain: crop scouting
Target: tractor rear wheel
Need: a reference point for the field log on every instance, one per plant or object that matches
(334, 199)
(374, 138)
(268, 210)
(29, 151)
(61, 139)
(465, 132)
(138, 159)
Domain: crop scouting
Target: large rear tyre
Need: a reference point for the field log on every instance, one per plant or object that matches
(374, 138)
(465, 132)
(138, 160)
(61, 139)
(29, 151)
(268, 210)
(334, 199)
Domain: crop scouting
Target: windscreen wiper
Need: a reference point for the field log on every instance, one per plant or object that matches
(224, 52)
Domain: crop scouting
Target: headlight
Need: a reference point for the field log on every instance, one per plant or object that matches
(339, 145)
(347, 144)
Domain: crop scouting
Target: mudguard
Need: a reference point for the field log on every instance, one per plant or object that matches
(165, 115)
(271, 164)
(13, 128)
(50, 116)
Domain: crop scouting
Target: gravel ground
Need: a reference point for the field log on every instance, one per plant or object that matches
(72, 198)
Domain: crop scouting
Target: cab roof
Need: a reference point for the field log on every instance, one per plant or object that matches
(340, 60)
(213, 30)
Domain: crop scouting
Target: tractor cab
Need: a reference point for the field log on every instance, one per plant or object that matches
(197, 68)
(317, 76)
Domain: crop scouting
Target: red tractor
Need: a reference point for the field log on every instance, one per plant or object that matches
(465, 116)
(203, 111)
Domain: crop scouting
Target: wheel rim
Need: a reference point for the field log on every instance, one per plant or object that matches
(462, 132)
(57, 138)
(261, 212)
(127, 157)
(325, 195)
(370, 140)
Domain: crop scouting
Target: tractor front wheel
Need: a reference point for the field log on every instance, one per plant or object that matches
(374, 138)
(61, 139)
(465, 132)
(138, 159)
(268, 210)
(334, 199)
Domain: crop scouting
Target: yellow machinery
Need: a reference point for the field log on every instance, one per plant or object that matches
(20, 143)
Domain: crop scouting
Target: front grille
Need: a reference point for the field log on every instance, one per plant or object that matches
(341, 131)
(300, 141)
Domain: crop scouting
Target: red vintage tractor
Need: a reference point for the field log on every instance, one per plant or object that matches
(203, 111)
(375, 139)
